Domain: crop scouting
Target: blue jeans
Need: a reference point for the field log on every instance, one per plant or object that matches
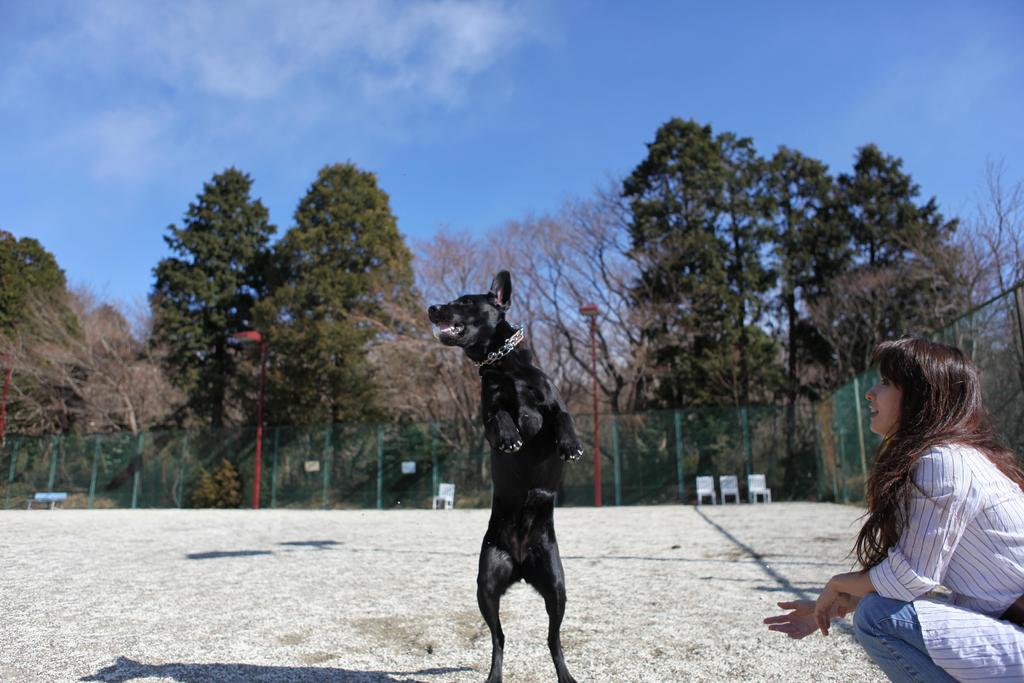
(890, 632)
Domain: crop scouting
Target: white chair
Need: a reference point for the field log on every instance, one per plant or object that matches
(445, 496)
(729, 485)
(756, 487)
(706, 487)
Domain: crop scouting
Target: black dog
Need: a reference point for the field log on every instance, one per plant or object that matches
(530, 433)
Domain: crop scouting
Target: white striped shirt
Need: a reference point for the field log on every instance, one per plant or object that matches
(965, 532)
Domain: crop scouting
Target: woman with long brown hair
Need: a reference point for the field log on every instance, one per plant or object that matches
(945, 508)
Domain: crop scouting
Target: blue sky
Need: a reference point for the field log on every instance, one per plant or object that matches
(113, 114)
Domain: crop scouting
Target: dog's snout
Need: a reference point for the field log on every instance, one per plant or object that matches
(438, 313)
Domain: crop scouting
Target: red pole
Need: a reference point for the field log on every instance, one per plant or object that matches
(597, 423)
(259, 428)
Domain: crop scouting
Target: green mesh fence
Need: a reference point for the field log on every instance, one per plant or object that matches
(646, 458)
(818, 452)
(991, 334)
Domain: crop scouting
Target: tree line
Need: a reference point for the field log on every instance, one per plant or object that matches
(724, 277)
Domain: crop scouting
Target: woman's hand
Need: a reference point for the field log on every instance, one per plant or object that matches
(826, 605)
(802, 622)
(855, 584)
(798, 623)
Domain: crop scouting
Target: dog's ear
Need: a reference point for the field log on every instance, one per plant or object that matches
(501, 289)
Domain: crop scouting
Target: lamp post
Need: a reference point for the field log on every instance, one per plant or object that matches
(256, 337)
(3, 401)
(591, 311)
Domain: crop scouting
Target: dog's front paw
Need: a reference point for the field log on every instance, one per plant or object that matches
(510, 445)
(502, 434)
(509, 441)
(570, 448)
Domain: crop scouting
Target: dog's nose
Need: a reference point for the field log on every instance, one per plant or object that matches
(433, 310)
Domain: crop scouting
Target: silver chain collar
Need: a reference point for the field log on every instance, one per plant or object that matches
(510, 344)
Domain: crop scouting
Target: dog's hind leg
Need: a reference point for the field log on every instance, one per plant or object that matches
(494, 578)
(545, 574)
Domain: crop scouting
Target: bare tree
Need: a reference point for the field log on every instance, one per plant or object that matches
(582, 255)
(420, 380)
(851, 318)
(79, 366)
(870, 304)
(998, 227)
(579, 255)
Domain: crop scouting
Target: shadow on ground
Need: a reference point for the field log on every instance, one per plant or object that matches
(319, 545)
(125, 669)
(216, 554)
(784, 585)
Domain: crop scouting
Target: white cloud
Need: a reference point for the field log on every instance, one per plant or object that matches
(940, 89)
(132, 87)
(123, 144)
(435, 47)
(255, 50)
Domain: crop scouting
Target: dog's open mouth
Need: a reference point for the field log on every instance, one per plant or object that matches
(450, 329)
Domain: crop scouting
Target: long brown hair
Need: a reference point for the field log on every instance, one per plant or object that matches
(941, 403)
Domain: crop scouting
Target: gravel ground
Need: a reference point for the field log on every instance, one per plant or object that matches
(655, 594)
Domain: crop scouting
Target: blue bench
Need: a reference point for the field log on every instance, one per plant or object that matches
(50, 497)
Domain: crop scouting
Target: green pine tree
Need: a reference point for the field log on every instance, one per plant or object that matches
(878, 204)
(335, 269)
(747, 232)
(26, 270)
(810, 249)
(207, 290)
(699, 224)
(895, 241)
(675, 199)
